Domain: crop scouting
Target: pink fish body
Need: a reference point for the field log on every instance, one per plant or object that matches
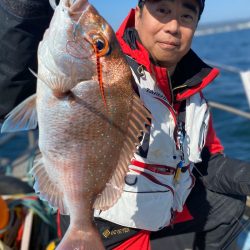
(88, 117)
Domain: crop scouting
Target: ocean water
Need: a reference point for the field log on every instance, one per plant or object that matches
(232, 49)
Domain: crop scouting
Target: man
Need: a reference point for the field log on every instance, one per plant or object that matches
(156, 38)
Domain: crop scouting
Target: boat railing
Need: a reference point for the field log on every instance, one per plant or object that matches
(245, 78)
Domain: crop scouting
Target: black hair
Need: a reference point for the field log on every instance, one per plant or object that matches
(201, 5)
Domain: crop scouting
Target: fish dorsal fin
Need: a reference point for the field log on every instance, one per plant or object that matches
(45, 188)
(23, 117)
(137, 120)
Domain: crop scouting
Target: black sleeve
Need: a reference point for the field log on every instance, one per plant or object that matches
(23, 23)
(224, 175)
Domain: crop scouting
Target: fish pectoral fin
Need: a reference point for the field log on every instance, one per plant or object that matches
(59, 84)
(23, 117)
(139, 118)
(46, 189)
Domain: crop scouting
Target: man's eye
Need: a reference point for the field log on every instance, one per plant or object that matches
(188, 18)
(163, 11)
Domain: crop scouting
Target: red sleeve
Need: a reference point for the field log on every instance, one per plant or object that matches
(212, 141)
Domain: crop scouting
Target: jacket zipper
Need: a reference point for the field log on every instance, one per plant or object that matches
(172, 96)
(180, 87)
(171, 89)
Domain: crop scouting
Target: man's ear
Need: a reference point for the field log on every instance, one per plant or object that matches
(137, 15)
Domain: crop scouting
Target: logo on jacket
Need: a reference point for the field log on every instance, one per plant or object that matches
(157, 94)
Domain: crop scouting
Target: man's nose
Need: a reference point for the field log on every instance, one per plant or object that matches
(172, 26)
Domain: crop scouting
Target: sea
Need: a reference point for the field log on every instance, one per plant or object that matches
(228, 49)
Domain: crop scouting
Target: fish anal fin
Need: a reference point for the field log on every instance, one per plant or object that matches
(23, 117)
(46, 189)
(114, 187)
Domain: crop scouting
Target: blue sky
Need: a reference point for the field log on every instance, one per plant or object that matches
(114, 11)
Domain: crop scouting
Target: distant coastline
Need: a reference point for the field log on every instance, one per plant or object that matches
(221, 27)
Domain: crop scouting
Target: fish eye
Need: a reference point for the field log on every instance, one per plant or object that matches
(100, 44)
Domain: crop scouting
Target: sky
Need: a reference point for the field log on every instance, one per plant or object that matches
(114, 11)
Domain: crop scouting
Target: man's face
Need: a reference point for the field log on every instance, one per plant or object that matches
(166, 29)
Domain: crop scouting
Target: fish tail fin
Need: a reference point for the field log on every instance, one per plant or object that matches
(81, 240)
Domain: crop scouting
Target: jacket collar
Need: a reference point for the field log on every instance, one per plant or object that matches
(129, 42)
(191, 74)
